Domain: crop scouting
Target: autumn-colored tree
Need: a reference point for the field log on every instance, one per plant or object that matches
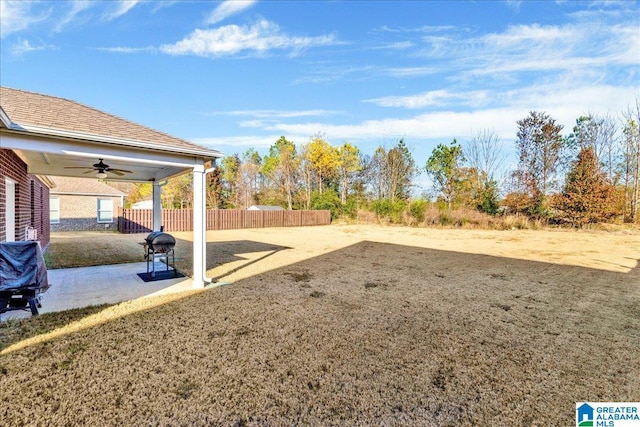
(178, 193)
(588, 197)
(323, 158)
(140, 191)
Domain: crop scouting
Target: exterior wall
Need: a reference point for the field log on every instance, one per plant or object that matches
(39, 210)
(80, 213)
(32, 199)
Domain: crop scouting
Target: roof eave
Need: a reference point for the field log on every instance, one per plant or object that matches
(60, 133)
(4, 118)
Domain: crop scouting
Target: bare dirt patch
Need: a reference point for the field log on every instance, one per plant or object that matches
(352, 325)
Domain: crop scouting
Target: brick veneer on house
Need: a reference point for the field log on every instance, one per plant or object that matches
(32, 199)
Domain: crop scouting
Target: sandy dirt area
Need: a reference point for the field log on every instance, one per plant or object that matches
(352, 325)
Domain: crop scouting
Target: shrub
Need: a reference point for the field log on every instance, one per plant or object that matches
(417, 209)
(386, 209)
(328, 200)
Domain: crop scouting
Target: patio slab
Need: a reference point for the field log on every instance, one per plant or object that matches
(103, 284)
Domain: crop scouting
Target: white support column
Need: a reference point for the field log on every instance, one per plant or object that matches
(199, 227)
(157, 206)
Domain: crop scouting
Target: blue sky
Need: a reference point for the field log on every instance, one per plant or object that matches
(239, 74)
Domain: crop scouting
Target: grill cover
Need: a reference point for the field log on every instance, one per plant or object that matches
(160, 241)
(22, 267)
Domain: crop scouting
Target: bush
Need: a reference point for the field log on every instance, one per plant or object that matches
(386, 209)
(417, 209)
(327, 200)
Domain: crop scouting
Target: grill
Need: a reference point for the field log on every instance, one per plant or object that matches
(23, 276)
(158, 247)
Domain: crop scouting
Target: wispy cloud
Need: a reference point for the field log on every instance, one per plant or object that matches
(275, 114)
(124, 49)
(24, 46)
(121, 8)
(228, 8)
(259, 38)
(19, 15)
(77, 7)
(439, 98)
(248, 141)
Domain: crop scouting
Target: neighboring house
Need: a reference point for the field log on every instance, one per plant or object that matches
(143, 204)
(47, 136)
(24, 200)
(78, 204)
(265, 208)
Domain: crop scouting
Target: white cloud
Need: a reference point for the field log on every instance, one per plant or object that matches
(121, 8)
(228, 8)
(565, 105)
(19, 15)
(231, 39)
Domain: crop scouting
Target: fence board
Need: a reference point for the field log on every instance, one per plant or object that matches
(141, 220)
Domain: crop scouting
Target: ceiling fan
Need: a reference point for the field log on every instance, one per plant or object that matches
(102, 169)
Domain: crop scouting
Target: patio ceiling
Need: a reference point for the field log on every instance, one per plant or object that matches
(64, 158)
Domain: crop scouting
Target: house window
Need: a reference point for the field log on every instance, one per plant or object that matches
(105, 210)
(54, 210)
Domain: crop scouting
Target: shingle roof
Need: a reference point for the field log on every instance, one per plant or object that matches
(67, 185)
(29, 108)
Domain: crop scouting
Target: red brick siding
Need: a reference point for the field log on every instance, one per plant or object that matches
(26, 186)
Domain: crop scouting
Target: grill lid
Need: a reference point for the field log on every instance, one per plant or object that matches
(160, 239)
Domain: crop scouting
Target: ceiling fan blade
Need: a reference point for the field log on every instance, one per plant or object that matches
(117, 172)
(89, 171)
(78, 167)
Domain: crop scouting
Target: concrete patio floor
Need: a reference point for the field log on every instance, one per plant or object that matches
(103, 284)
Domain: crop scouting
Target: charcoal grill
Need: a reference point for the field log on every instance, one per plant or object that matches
(159, 246)
(23, 276)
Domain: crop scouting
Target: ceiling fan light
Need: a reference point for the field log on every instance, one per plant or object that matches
(101, 175)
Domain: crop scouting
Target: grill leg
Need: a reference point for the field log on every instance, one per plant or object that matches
(33, 305)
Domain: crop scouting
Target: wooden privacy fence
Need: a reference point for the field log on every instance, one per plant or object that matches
(141, 220)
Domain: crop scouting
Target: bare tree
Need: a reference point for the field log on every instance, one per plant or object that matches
(485, 153)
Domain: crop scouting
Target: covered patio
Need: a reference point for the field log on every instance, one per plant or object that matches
(103, 284)
(59, 137)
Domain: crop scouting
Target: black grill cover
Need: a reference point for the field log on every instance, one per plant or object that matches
(22, 267)
(160, 239)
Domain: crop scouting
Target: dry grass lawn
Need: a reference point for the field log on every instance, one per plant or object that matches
(348, 325)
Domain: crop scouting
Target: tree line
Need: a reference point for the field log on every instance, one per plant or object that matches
(590, 175)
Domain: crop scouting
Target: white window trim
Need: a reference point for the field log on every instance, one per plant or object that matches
(105, 210)
(51, 220)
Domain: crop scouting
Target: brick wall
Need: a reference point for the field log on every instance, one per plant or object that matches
(32, 199)
(78, 213)
(39, 209)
